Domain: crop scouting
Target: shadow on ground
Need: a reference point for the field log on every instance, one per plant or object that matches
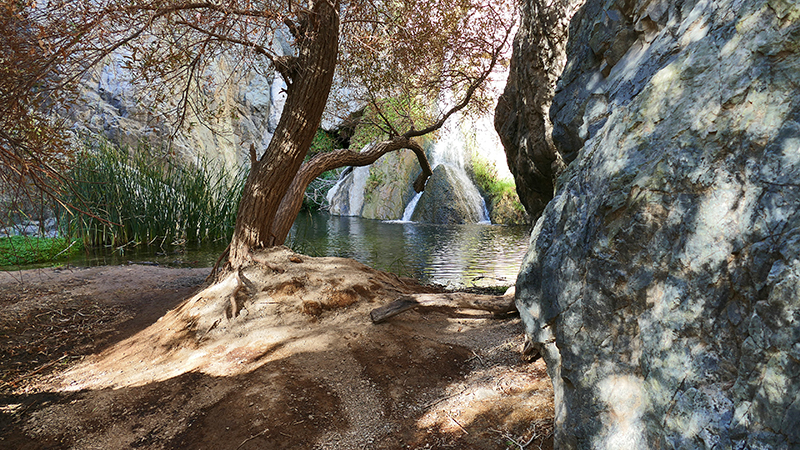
(433, 378)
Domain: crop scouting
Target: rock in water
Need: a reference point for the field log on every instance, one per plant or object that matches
(378, 191)
(662, 285)
(449, 199)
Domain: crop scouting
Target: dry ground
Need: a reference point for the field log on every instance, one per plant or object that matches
(114, 357)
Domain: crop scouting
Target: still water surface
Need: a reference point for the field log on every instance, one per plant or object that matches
(450, 255)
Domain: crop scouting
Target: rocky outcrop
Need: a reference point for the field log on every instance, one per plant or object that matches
(505, 209)
(379, 191)
(662, 285)
(449, 198)
(521, 116)
(241, 106)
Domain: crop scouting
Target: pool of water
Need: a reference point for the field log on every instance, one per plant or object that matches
(451, 255)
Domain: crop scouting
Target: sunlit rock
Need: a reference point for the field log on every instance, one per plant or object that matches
(450, 198)
(662, 285)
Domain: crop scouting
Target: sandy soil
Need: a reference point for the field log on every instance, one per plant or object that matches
(279, 356)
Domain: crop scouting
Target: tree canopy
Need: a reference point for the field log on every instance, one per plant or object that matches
(397, 56)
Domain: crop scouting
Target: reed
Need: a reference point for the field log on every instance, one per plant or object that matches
(140, 198)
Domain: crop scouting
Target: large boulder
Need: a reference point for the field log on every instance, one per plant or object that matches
(662, 284)
(449, 198)
(388, 189)
(522, 115)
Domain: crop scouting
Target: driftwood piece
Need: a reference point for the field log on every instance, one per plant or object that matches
(499, 305)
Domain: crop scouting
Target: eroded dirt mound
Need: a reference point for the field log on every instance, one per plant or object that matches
(279, 355)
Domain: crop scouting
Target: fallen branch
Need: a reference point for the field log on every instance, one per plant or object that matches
(499, 305)
(252, 437)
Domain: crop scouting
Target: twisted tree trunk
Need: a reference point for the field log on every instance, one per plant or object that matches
(309, 77)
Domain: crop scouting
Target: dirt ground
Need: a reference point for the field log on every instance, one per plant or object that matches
(281, 356)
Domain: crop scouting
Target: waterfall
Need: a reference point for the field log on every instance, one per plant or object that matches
(412, 205)
(451, 150)
(346, 197)
(452, 154)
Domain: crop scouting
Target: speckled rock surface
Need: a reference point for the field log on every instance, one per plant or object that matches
(662, 285)
(388, 188)
(240, 107)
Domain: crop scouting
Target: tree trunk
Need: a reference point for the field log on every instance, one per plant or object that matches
(309, 77)
(323, 162)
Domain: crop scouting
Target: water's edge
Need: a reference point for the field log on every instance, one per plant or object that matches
(455, 256)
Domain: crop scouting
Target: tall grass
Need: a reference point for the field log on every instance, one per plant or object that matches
(488, 181)
(136, 197)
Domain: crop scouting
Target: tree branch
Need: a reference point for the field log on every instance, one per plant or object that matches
(323, 162)
(467, 96)
(283, 64)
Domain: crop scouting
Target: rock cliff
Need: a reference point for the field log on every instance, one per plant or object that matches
(522, 114)
(379, 191)
(240, 106)
(662, 284)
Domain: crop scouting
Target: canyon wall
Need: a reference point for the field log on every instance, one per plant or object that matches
(239, 106)
(662, 283)
(522, 115)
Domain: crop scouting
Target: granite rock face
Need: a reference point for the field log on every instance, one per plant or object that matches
(449, 198)
(662, 285)
(378, 191)
(522, 114)
(240, 106)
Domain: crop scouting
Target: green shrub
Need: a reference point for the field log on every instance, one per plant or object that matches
(323, 143)
(487, 180)
(501, 194)
(23, 250)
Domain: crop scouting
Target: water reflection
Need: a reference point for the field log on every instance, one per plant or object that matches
(453, 255)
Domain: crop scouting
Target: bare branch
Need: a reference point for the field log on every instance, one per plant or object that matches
(467, 96)
(323, 162)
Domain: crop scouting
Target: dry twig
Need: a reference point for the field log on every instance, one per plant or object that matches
(252, 437)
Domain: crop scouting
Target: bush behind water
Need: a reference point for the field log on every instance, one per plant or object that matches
(503, 201)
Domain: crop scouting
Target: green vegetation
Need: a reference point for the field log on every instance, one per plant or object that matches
(23, 250)
(487, 180)
(401, 112)
(323, 142)
(504, 204)
(138, 197)
(375, 179)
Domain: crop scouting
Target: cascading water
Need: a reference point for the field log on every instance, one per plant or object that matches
(451, 151)
(412, 205)
(346, 197)
(456, 198)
